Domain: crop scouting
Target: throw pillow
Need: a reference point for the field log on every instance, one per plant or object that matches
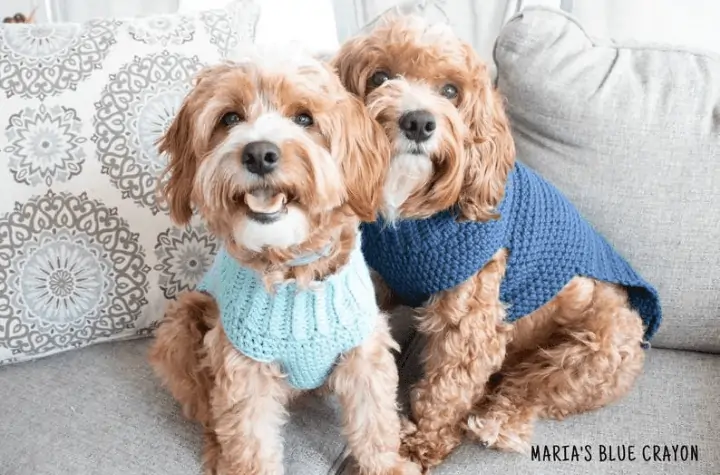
(87, 253)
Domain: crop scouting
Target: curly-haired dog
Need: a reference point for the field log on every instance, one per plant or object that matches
(274, 155)
(478, 241)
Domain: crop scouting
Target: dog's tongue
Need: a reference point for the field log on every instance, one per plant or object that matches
(265, 201)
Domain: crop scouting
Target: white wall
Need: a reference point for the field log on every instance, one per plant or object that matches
(308, 23)
(81, 10)
(691, 23)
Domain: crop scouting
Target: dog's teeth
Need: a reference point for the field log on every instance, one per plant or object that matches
(264, 201)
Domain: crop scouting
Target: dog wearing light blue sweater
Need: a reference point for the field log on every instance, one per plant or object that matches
(274, 155)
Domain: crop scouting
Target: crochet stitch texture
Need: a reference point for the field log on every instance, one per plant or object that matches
(303, 330)
(548, 240)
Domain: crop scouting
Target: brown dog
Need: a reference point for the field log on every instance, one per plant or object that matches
(578, 351)
(274, 155)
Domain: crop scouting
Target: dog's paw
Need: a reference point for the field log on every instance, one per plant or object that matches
(500, 433)
(427, 450)
(483, 431)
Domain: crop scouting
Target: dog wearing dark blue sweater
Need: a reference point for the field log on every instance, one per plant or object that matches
(525, 309)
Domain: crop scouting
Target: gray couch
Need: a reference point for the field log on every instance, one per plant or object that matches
(632, 135)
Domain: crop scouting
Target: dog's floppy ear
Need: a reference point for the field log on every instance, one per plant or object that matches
(351, 65)
(490, 152)
(363, 149)
(176, 188)
(181, 143)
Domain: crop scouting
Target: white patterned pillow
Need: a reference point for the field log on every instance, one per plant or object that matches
(86, 253)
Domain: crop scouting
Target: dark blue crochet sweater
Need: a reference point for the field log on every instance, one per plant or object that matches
(548, 240)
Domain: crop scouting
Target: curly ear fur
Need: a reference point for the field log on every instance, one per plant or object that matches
(180, 143)
(181, 166)
(353, 73)
(490, 151)
(364, 150)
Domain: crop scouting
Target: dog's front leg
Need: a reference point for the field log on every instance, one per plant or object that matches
(248, 402)
(466, 340)
(365, 381)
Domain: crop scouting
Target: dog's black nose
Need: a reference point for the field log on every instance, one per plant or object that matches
(417, 125)
(260, 157)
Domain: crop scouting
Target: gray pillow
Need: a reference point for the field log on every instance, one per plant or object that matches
(631, 134)
(87, 253)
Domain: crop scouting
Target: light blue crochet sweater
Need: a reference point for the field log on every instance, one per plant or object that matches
(302, 330)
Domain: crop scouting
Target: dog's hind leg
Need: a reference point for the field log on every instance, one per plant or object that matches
(177, 353)
(178, 357)
(591, 358)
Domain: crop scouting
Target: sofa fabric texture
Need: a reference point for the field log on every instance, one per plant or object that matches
(100, 411)
(631, 134)
(87, 252)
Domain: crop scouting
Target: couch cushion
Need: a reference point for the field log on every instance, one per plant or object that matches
(674, 402)
(101, 411)
(632, 135)
(87, 254)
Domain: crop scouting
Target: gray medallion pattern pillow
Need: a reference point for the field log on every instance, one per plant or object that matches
(136, 106)
(45, 60)
(87, 254)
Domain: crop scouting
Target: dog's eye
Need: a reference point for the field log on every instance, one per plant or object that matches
(230, 119)
(303, 120)
(379, 78)
(449, 91)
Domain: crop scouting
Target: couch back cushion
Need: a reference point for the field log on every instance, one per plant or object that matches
(631, 134)
(87, 253)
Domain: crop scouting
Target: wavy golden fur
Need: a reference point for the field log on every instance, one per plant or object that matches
(475, 150)
(578, 352)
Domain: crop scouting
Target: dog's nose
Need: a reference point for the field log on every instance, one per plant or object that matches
(260, 157)
(417, 125)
